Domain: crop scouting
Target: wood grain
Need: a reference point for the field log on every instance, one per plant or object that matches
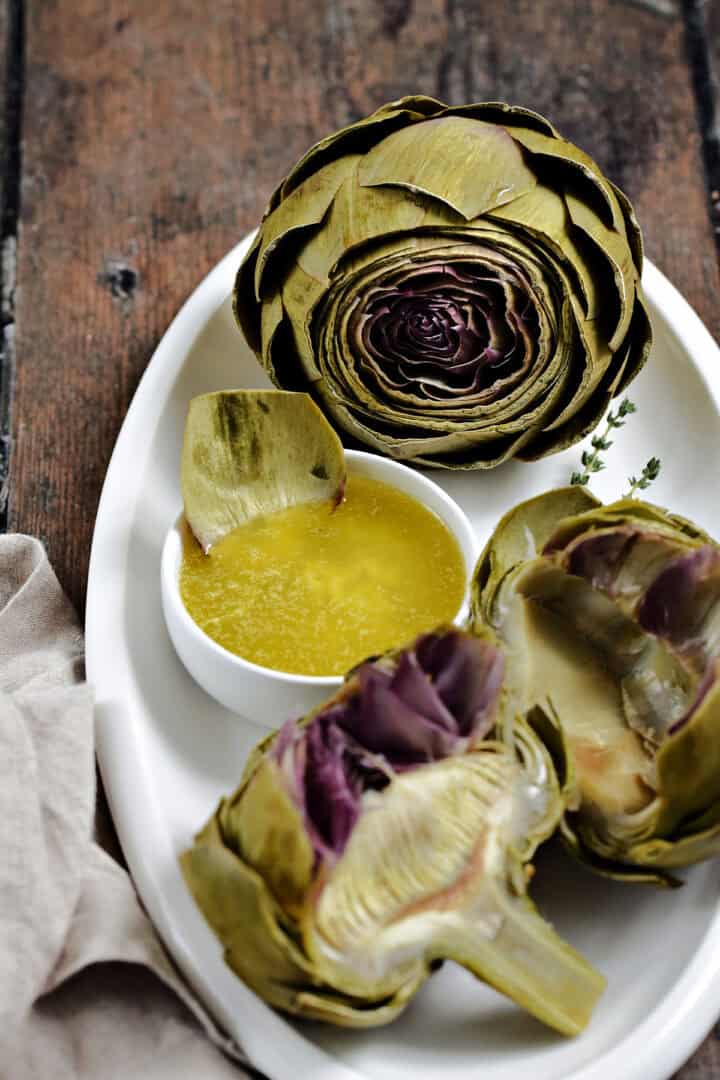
(10, 106)
(152, 134)
(712, 118)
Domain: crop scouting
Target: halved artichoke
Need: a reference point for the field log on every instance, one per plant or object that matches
(385, 833)
(453, 285)
(610, 619)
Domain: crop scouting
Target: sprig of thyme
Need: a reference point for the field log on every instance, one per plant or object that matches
(649, 473)
(591, 460)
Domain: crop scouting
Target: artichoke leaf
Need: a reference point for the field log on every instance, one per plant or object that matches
(499, 112)
(639, 342)
(632, 228)
(301, 295)
(692, 750)
(613, 247)
(252, 452)
(271, 317)
(250, 924)
(244, 300)
(358, 216)
(302, 211)
(585, 169)
(521, 534)
(469, 165)
(608, 867)
(270, 836)
(356, 137)
(544, 214)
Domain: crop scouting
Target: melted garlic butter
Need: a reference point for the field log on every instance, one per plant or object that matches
(313, 591)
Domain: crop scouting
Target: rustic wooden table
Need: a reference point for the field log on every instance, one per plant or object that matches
(141, 140)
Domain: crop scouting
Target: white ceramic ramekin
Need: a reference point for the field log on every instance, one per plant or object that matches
(258, 693)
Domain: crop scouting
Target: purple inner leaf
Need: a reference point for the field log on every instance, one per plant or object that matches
(678, 600)
(679, 603)
(599, 558)
(448, 331)
(436, 699)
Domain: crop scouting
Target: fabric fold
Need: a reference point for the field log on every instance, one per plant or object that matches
(87, 991)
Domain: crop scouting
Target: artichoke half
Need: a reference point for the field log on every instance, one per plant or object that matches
(610, 620)
(454, 286)
(385, 833)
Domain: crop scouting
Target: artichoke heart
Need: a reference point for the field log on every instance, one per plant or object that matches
(453, 285)
(385, 832)
(611, 623)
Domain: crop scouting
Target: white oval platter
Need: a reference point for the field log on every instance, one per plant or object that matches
(167, 752)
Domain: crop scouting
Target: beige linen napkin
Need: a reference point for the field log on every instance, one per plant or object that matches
(87, 991)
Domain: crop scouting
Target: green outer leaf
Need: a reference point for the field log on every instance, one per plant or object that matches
(520, 535)
(623, 368)
(613, 247)
(362, 214)
(234, 900)
(244, 301)
(632, 228)
(622, 512)
(583, 167)
(616, 871)
(689, 766)
(253, 452)
(499, 112)
(639, 342)
(543, 213)
(270, 836)
(251, 927)
(303, 210)
(357, 137)
(300, 295)
(470, 166)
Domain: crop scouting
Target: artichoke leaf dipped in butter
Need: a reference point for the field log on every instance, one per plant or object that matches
(252, 452)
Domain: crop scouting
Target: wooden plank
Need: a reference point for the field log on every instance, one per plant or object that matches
(702, 21)
(10, 102)
(712, 134)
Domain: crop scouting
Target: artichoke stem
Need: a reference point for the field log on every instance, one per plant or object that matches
(529, 963)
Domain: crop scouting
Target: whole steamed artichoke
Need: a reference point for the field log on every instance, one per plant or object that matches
(454, 286)
(385, 833)
(609, 618)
